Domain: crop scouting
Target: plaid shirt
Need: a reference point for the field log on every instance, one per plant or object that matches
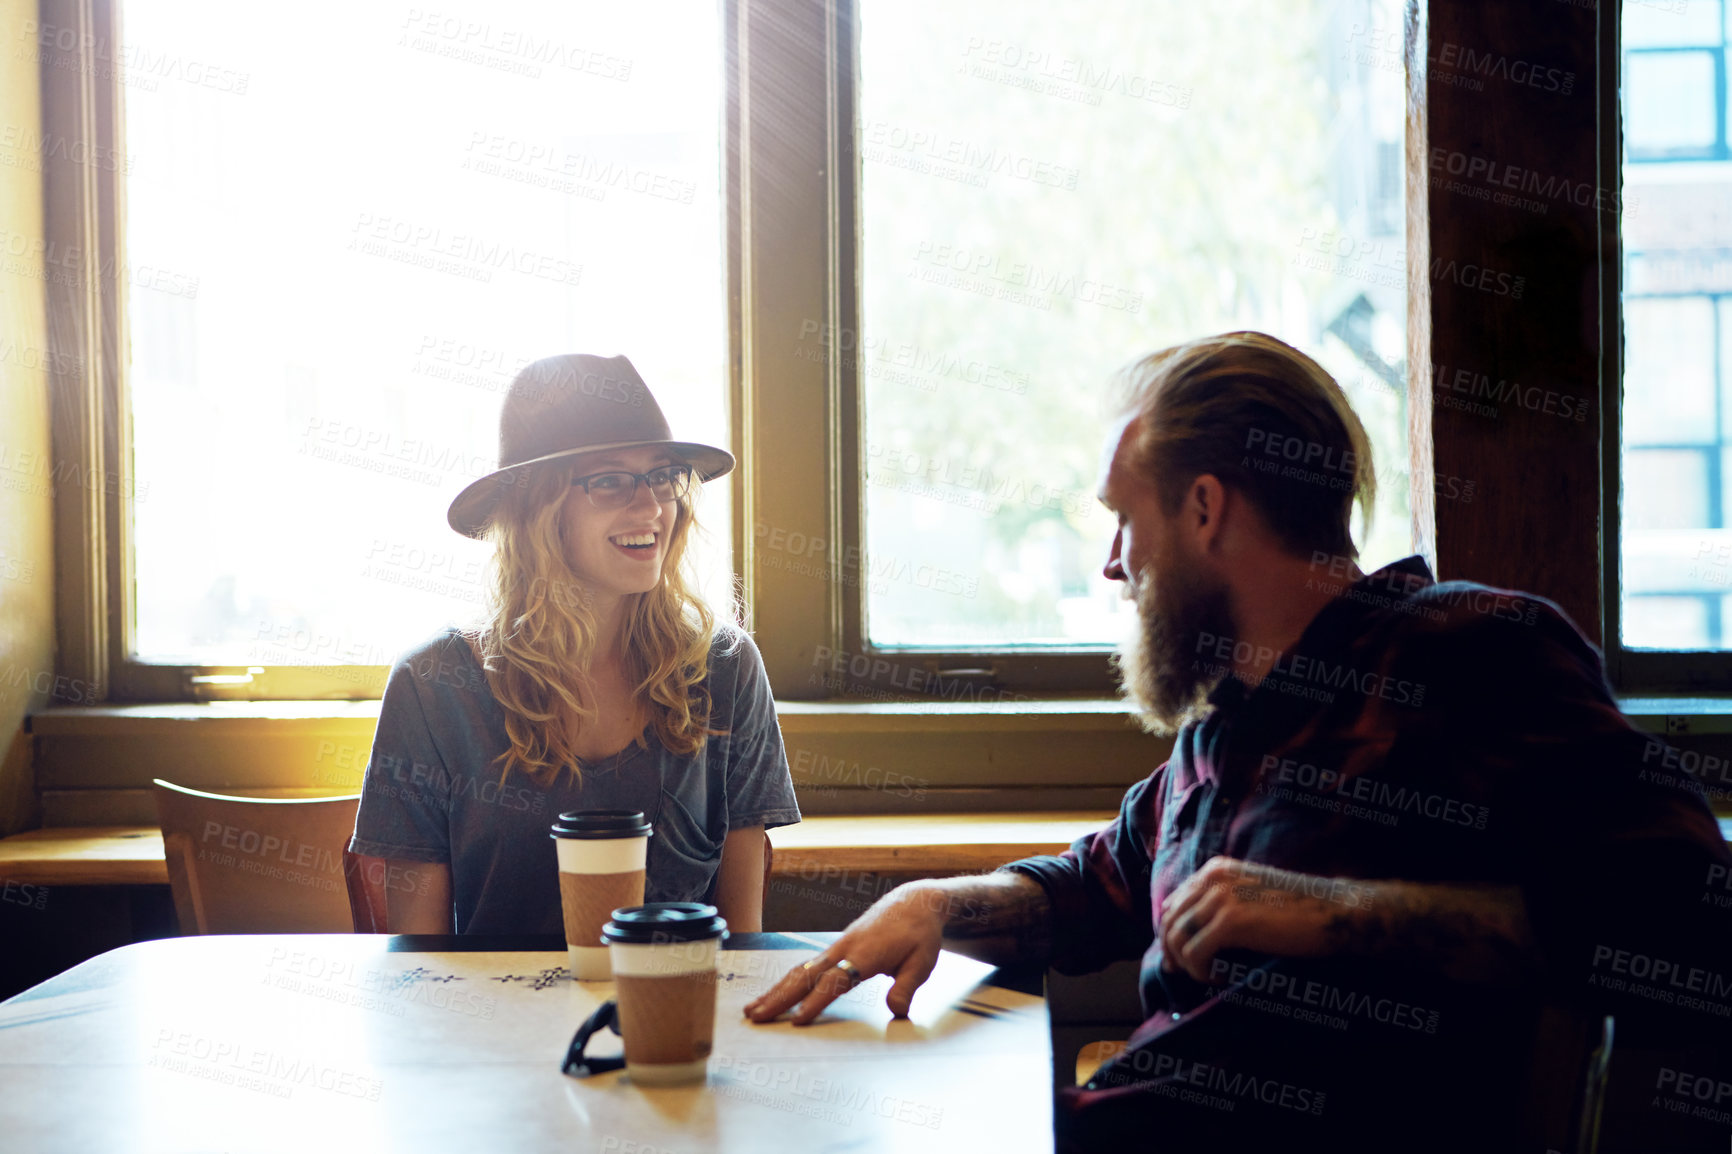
(1417, 731)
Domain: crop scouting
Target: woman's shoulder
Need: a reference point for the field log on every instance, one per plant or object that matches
(443, 661)
(736, 677)
(446, 643)
(733, 653)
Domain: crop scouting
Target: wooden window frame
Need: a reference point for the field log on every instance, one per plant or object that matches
(791, 211)
(1659, 672)
(793, 183)
(1548, 520)
(84, 221)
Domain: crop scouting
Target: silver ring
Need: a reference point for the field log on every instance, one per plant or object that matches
(855, 977)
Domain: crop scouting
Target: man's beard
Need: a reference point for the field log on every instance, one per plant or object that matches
(1161, 666)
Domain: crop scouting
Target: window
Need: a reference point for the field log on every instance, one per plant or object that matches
(1676, 592)
(798, 200)
(1674, 80)
(1043, 200)
(337, 249)
(345, 232)
(1022, 204)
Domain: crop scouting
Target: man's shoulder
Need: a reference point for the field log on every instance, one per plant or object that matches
(1403, 598)
(1497, 636)
(1461, 603)
(1405, 592)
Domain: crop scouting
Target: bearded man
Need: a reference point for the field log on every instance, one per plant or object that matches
(1399, 816)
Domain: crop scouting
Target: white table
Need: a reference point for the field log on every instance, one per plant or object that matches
(317, 1043)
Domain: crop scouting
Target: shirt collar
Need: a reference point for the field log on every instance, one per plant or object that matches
(1377, 591)
(1341, 620)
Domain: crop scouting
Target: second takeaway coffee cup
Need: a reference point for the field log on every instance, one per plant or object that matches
(664, 963)
(601, 868)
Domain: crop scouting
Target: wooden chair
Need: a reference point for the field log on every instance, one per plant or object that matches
(255, 865)
(365, 878)
(1566, 1089)
(769, 860)
(1092, 1014)
(1090, 1017)
(1590, 1100)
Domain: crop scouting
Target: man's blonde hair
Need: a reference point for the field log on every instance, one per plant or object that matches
(1263, 418)
(540, 634)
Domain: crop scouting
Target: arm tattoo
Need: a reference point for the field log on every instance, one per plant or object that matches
(1463, 932)
(1000, 917)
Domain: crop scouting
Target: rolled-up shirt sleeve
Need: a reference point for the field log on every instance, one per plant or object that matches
(1099, 888)
(406, 793)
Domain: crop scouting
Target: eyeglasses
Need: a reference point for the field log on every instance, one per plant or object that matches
(617, 488)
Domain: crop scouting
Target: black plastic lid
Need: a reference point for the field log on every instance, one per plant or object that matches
(657, 923)
(601, 824)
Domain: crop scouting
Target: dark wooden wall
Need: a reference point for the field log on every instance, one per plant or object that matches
(1515, 293)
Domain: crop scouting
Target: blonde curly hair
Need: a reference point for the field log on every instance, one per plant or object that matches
(540, 633)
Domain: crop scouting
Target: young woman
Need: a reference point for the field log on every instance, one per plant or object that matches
(599, 680)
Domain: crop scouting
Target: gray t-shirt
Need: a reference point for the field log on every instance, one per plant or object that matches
(433, 792)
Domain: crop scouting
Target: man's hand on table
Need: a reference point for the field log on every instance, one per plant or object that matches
(1232, 904)
(901, 934)
(1002, 918)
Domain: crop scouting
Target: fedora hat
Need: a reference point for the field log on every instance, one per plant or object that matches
(561, 406)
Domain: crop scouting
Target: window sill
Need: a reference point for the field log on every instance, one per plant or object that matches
(820, 848)
(170, 717)
(1076, 709)
(94, 764)
(164, 715)
(1682, 715)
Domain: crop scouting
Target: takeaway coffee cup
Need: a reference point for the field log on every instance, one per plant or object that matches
(664, 964)
(601, 868)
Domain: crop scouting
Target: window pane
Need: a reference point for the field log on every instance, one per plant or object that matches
(1725, 480)
(1045, 199)
(1665, 489)
(1679, 561)
(1725, 318)
(1669, 391)
(1669, 102)
(1667, 622)
(342, 247)
(1661, 23)
(1676, 220)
